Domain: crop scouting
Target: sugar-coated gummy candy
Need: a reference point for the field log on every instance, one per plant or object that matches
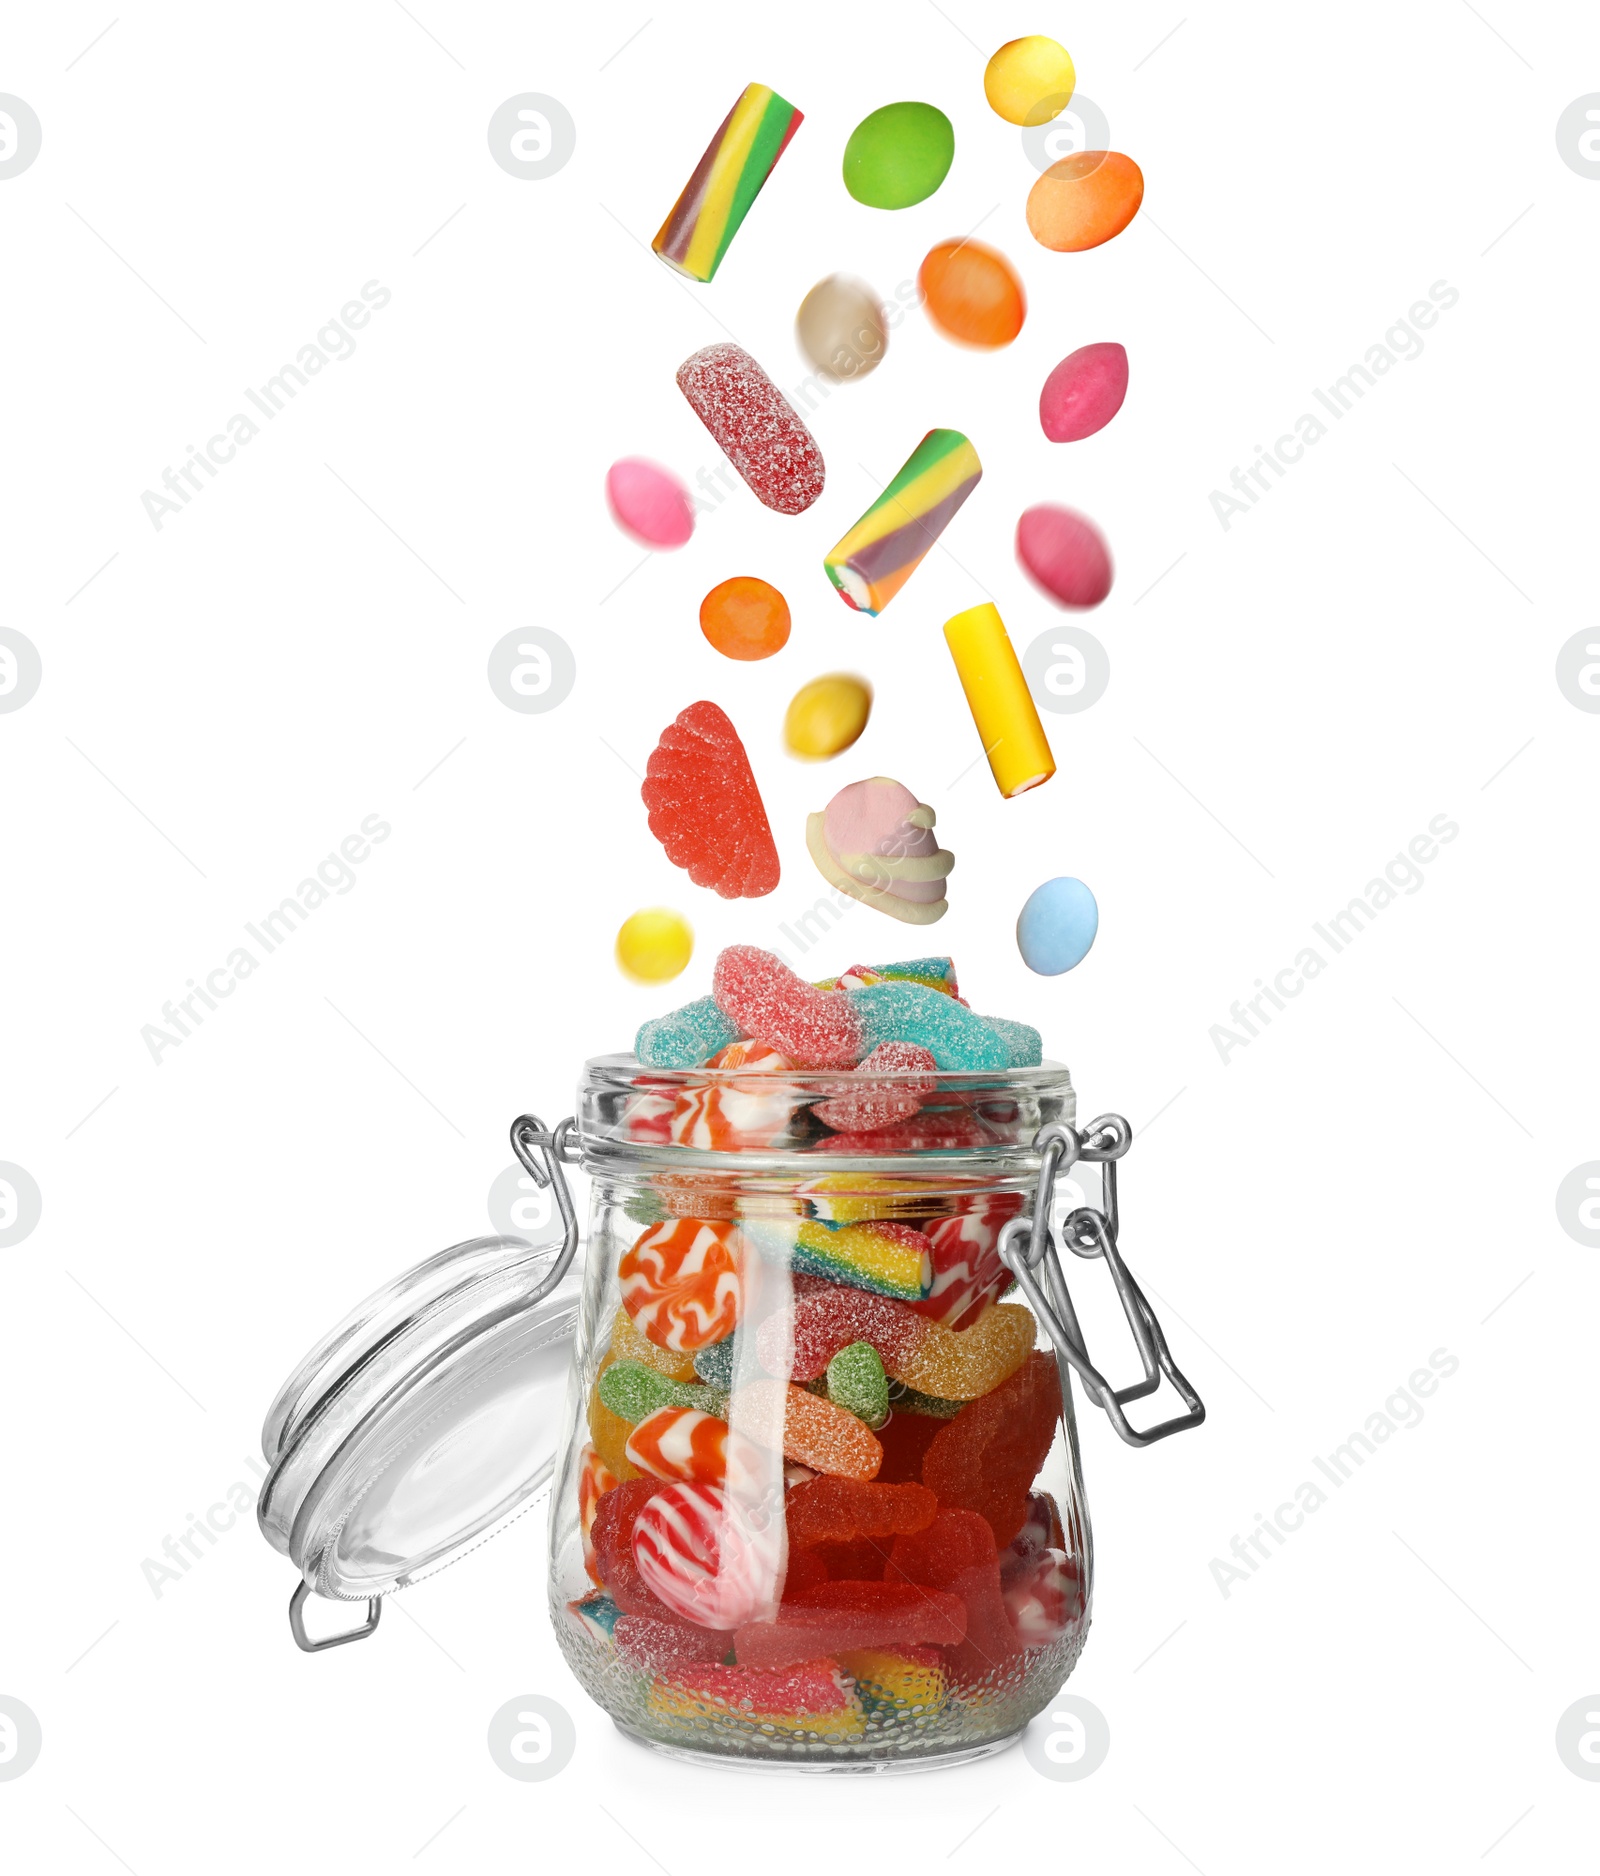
(847, 1198)
(727, 179)
(613, 1543)
(871, 563)
(699, 1551)
(633, 1393)
(654, 945)
(608, 1433)
(868, 1615)
(813, 1028)
(879, 1104)
(681, 1443)
(875, 841)
(649, 503)
(1084, 200)
(1084, 392)
(803, 1339)
(745, 618)
(705, 809)
(897, 1682)
(656, 1647)
(684, 1038)
(965, 1251)
(972, 293)
(997, 694)
(1024, 1042)
(808, 1700)
(961, 1364)
(681, 1282)
(956, 1554)
(835, 1511)
(841, 328)
(826, 716)
(1056, 926)
(935, 973)
(737, 1112)
(986, 1459)
(788, 1419)
(907, 1012)
(715, 1363)
(629, 1344)
(755, 426)
(857, 1383)
(1064, 554)
(898, 155)
(1029, 80)
(879, 1255)
(596, 1615)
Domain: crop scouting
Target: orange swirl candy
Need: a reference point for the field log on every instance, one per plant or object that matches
(681, 1282)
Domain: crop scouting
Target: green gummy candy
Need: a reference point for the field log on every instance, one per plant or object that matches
(857, 1383)
(634, 1392)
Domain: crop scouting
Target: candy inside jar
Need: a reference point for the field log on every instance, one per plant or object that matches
(822, 1504)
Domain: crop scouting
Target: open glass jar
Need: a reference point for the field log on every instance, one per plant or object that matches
(818, 1501)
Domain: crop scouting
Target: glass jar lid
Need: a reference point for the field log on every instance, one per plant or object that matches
(421, 1425)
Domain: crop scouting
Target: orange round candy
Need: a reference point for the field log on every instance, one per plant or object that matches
(745, 618)
(972, 293)
(1084, 200)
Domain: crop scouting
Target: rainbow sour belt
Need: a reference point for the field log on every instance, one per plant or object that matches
(882, 551)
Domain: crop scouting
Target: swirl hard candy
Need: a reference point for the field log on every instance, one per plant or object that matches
(681, 1282)
(681, 1443)
(701, 1554)
(965, 1252)
(735, 1115)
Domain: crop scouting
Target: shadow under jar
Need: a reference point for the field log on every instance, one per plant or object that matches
(819, 1501)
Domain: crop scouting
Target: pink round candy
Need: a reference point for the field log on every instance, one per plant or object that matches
(649, 502)
(1084, 392)
(1064, 554)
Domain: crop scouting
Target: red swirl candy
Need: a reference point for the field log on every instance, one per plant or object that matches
(697, 1551)
(755, 426)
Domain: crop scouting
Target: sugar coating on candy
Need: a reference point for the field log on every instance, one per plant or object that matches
(896, 1613)
(1064, 554)
(745, 618)
(857, 1110)
(715, 1364)
(803, 1339)
(656, 1647)
(1084, 392)
(986, 1459)
(961, 1364)
(608, 1432)
(705, 809)
(684, 1038)
(871, 563)
(634, 1392)
(935, 973)
(1085, 199)
(857, 1383)
(847, 1198)
(808, 1697)
(755, 426)
(628, 1344)
(1022, 1040)
(681, 1443)
(758, 992)
(681, 1282)
(944, 1131)
(805, 1427)
(649, 503)
(907, 1012)
(699, 1552)
(835, 1511)
(880, 1255)
(726, 180)
(972, 293)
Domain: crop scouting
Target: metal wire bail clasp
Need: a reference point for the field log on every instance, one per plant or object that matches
(1029, 1251)
(543, 1155)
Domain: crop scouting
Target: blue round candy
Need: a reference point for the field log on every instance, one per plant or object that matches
(1057, 926)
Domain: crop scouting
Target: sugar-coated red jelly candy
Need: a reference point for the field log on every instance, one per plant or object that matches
(861, 1615)
(830, 1317)
(987, 1457)
(704, 806)
(957, 1554)
(833, 1511)
(657, 1647)
(758, 991)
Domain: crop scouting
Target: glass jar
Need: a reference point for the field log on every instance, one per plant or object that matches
(818, 1500)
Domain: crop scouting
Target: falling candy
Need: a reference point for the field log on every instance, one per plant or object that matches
(1084, 200)
(898, 155)
(705, 809)
(726, 180)
(654, 946)
(755, 426)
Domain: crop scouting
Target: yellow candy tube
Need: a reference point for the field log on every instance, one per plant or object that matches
(998, 697)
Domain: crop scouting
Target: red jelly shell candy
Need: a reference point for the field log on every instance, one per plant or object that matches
(705, 808)
(986, 1458)
(758, 992)
(833, 1511)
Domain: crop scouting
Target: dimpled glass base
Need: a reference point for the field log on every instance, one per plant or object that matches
(974, 1720)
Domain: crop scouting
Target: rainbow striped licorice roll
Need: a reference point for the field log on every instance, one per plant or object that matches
(882, 551)
(727, 179)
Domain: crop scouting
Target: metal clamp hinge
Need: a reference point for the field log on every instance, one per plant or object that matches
(543, 1154)
(1028, 1249)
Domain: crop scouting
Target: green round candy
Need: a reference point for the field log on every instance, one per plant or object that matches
(899, 155)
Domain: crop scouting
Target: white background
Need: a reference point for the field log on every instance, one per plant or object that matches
(1366, 1182)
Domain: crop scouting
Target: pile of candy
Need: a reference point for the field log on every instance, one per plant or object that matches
(809, 1504)
(704, 803)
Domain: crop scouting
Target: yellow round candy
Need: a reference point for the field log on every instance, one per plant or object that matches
(1029, 81)
(826, 716)
(654, 945)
